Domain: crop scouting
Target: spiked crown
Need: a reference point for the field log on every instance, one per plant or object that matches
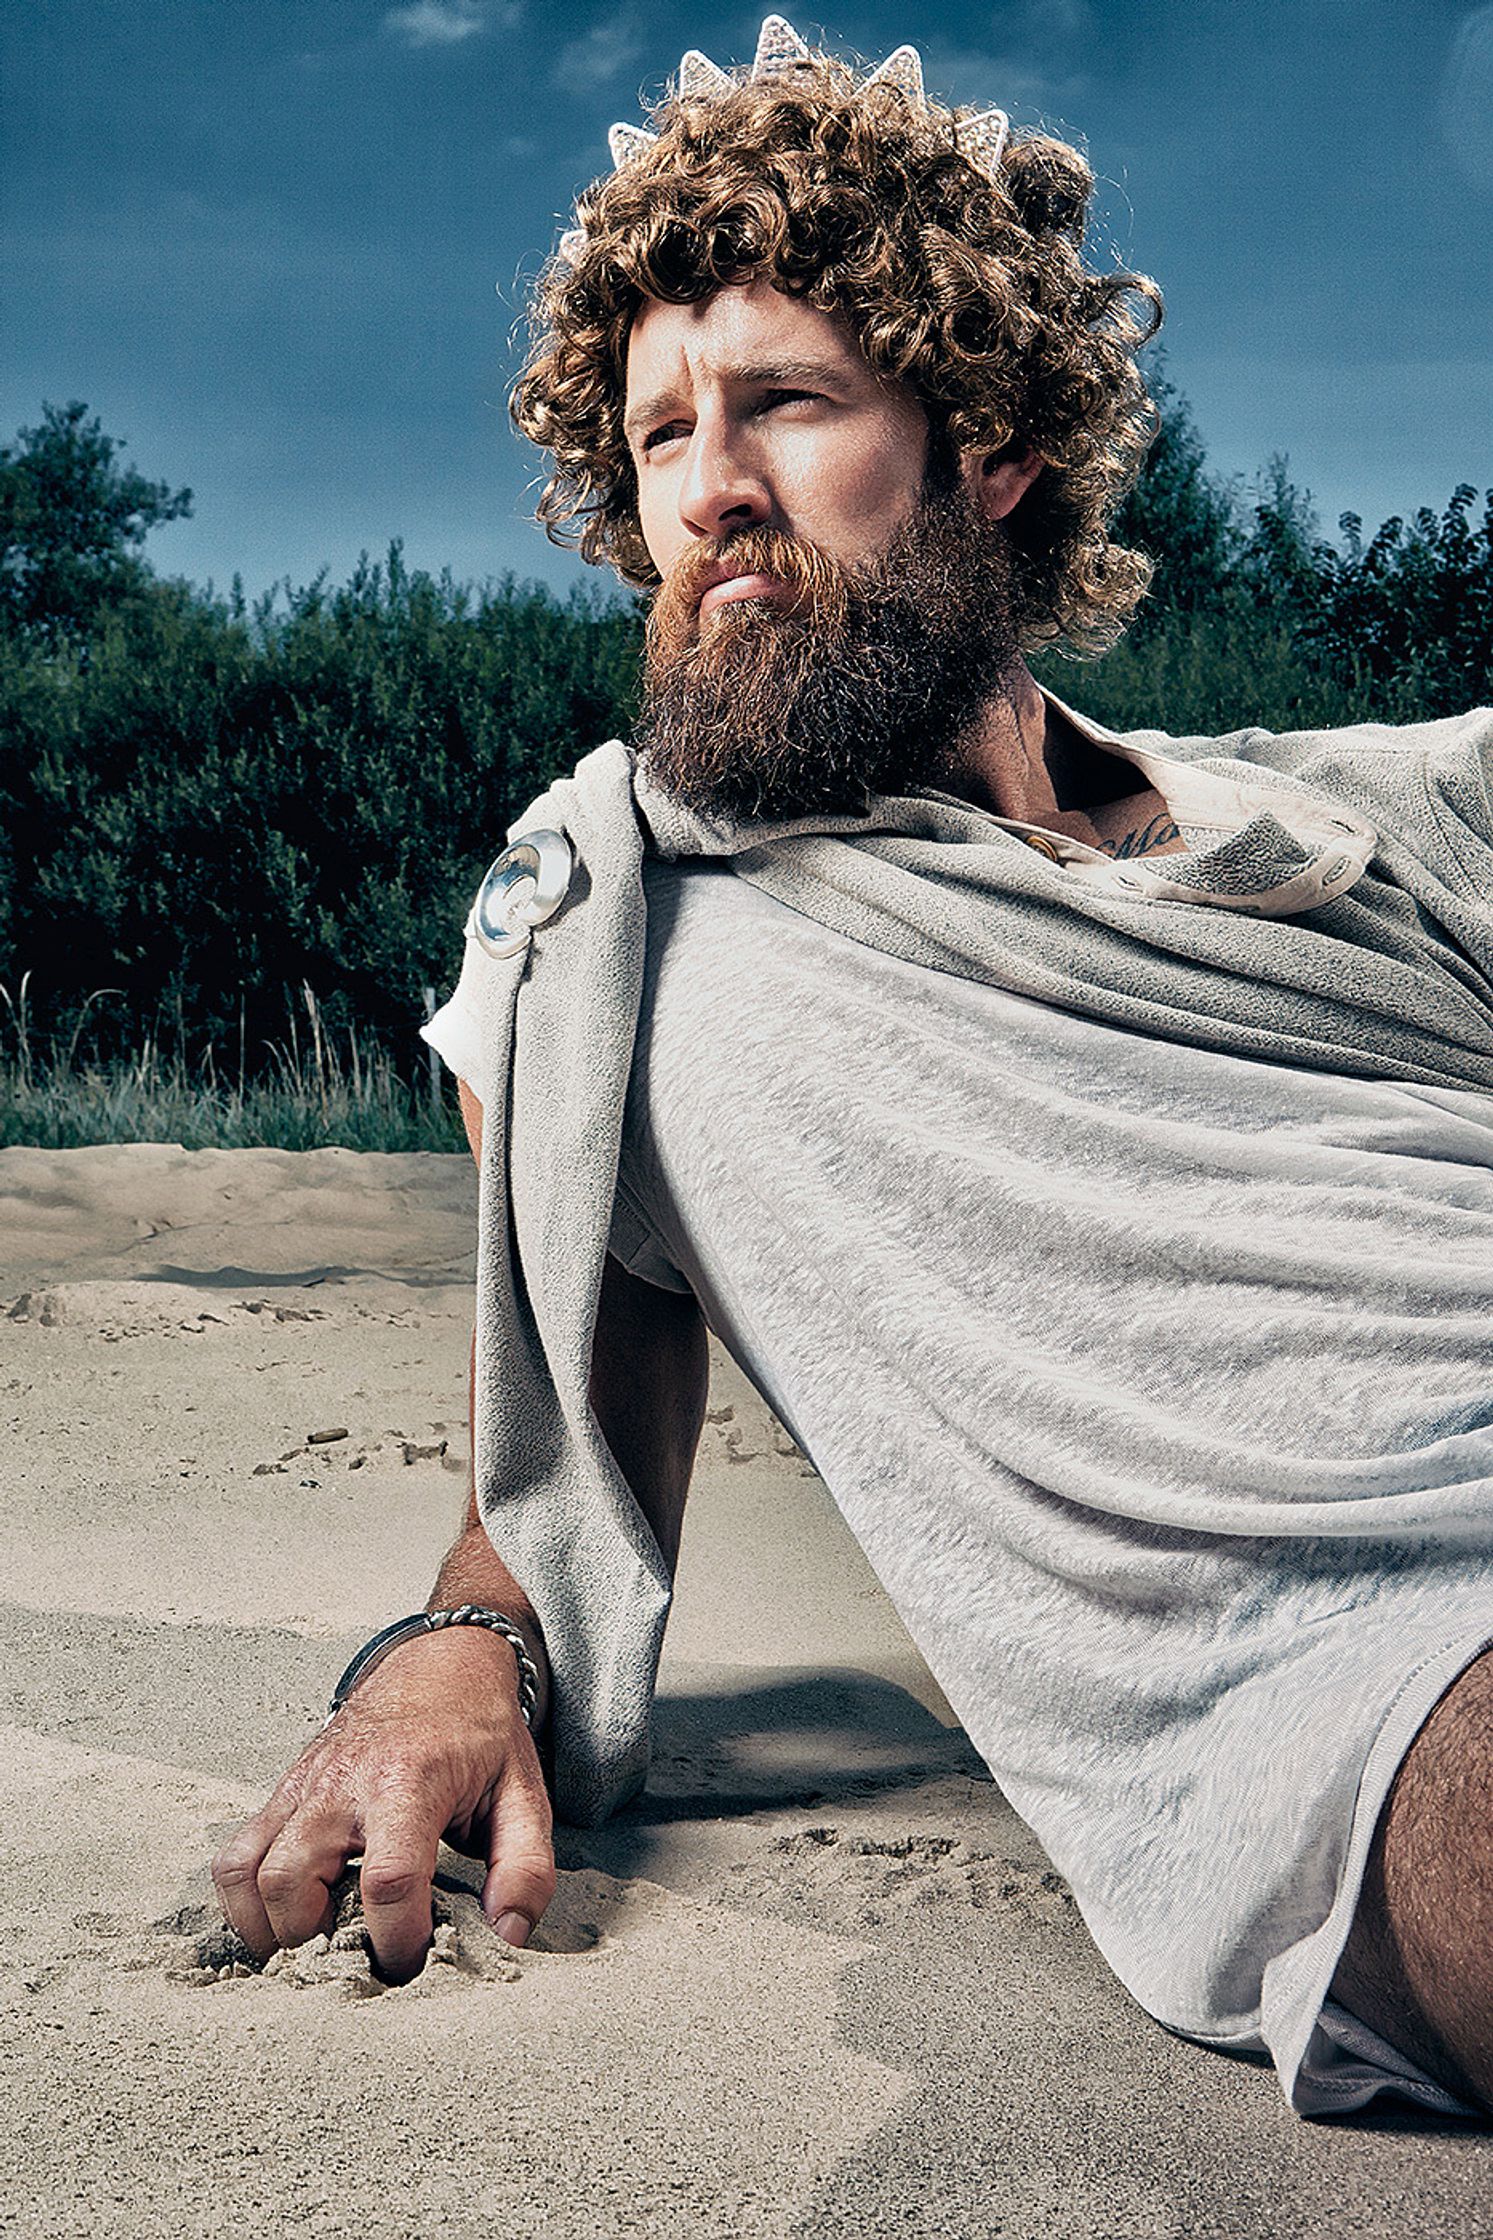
(780, 51)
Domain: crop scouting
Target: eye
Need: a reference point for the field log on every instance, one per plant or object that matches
(769, 401)
(668, 433)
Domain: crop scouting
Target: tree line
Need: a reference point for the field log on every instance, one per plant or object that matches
(208, 805)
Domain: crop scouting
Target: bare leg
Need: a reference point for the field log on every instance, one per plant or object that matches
(1418, 1966)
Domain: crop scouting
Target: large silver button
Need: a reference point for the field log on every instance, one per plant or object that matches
(526, 885)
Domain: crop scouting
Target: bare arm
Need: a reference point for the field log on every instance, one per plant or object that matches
(433, 1743)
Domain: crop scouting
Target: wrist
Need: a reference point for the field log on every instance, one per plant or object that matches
(479, 1668)
(454, 1623)
(517, 1630)
(473, 1572)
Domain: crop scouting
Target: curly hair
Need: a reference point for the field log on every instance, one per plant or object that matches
(968, 288)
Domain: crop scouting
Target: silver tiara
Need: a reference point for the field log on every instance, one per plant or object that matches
(780, 51)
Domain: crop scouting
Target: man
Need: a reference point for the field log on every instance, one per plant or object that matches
(1084, 1143)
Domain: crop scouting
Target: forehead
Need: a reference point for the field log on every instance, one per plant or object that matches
(675, 344)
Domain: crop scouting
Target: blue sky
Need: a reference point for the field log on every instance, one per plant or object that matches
(281, 245)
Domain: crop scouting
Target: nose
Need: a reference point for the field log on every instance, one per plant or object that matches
(723, 490)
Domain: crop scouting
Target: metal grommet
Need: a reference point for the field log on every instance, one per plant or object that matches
(527, 884)
(1043, 846)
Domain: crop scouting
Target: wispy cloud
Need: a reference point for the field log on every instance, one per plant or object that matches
(1012, 79)
(1036, 63)
(1467, 98)
(436, 23)
(600, 54)
(1058, 19)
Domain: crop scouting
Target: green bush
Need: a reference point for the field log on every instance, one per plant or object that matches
(1239, 662)
(207, 809)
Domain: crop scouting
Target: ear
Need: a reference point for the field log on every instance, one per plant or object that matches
(997, 482)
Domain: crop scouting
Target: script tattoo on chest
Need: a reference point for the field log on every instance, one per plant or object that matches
(1143, 839)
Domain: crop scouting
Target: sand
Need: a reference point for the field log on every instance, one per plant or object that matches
(819, 1981)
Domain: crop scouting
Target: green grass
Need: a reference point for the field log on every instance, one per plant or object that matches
(307, 1094)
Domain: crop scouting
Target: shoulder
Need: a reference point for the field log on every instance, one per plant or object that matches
(1411, 777)
(1447, 739)
(702, 891)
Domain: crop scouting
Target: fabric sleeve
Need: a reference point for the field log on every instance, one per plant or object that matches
(635, 1243)
(455, 1034)
(1459, 773)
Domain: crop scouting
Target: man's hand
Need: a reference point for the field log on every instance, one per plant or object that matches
(432, 1743)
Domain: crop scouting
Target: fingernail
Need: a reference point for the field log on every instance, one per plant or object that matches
(513, 1928)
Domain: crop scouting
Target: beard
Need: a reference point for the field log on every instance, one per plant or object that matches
(854, 679)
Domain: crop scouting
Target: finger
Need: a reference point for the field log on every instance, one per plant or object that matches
(299, 1871)
(520, 1848)
(399, 1855)
(235, 1873)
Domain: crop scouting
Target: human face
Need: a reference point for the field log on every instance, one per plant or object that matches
(753, 409)
(835, 610)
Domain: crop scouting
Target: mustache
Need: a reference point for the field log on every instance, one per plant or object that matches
(817, 586)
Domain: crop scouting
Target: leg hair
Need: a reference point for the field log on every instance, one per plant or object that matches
(1418, 1966)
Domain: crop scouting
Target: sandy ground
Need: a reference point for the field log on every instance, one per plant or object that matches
(818, 1981)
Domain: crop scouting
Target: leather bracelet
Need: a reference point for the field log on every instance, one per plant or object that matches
(435, 1621)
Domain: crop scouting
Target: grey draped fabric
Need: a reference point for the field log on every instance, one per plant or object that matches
(1390, 976)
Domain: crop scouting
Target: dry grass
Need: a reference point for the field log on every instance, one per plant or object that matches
(307, 1092)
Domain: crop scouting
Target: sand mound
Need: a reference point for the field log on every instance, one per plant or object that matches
(194, 1945)
(281, 1216)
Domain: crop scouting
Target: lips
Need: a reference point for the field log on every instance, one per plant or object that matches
(725, 588)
